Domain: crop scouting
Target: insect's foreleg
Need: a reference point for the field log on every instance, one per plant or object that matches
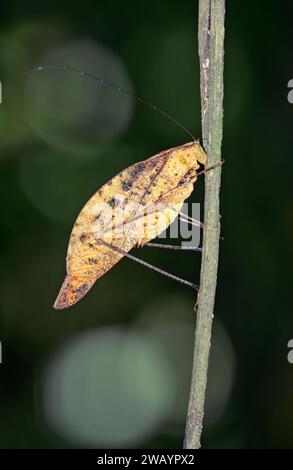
(212, 167)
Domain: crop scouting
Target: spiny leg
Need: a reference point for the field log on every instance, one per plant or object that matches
(148, 265)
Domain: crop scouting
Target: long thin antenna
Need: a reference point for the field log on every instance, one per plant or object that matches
(148, 265)
(117, 88)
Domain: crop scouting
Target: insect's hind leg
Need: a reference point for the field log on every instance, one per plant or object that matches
(148, 265)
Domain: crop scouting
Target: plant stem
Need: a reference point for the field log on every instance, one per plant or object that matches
(211, 55)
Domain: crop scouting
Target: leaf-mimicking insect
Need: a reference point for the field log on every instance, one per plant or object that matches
(161, 183)
(129, 210)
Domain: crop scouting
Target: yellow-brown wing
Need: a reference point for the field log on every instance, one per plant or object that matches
(132, 208)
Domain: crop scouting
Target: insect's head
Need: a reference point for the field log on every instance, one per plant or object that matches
(199, 152)
(194, 153)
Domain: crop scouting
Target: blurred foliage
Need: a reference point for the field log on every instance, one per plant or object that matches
(62, 137)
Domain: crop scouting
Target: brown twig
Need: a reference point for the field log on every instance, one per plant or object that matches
(211, 55)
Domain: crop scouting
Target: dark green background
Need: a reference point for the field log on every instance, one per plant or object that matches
(157, 43)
